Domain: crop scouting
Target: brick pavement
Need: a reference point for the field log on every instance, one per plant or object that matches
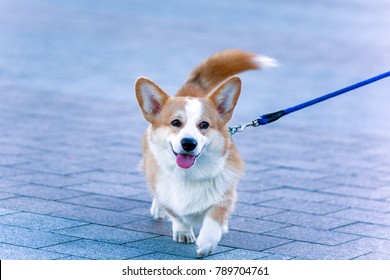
(70, 189)
(69, 183)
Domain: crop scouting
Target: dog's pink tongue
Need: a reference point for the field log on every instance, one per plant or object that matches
(185, 161)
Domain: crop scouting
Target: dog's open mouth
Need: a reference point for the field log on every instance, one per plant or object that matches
(185, 160)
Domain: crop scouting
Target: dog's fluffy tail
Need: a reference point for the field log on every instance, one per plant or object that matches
(220, 66)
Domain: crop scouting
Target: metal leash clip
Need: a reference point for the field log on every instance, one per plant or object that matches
(241, 127)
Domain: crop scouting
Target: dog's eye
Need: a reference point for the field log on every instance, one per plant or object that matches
(204, 125)
(176, 123)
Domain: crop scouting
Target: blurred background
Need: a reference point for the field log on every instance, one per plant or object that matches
(98, 48)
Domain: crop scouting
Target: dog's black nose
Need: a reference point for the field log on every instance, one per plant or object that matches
(188, 144)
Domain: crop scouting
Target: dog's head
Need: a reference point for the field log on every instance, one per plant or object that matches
(186, 131)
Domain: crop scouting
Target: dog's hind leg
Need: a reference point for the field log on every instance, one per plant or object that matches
(157, 211)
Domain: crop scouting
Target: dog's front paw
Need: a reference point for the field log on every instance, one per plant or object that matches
(209, 237)
(184, 236)
(205, 245)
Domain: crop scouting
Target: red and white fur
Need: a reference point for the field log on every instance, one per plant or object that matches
(191, 164)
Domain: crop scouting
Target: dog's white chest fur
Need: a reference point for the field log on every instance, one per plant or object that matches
(186, 197)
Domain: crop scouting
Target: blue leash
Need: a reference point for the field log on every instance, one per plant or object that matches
(271, 117)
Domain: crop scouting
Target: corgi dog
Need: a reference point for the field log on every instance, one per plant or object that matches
(189, 159)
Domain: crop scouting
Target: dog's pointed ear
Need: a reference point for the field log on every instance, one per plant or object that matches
(225, 97)
(151, 98)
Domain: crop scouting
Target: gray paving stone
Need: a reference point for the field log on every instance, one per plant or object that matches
(6, 211)
(363, 192)
(287, 192)
(119, 165)
(253, 225)
(141, 211)
(368, 230)
(71, 258)
(11, 149)
(237, 254)
(307, 220)
(44, 192)
(256, 184)
(309, 184)
(369, 245)
(313, 235)
(362, 203)
(303, 250)
(302, 206)
(251, 241)
(4, 195)
(114, 177)
(30, 238)
(9, 172)
(254, 211)
(95, 215)
(142, 197)
(106, 202)
(167, 246)
(30, 204)
(253, 197)
(111, 189)
(357, 180)
(38, 222)
(59, 167)
(293, 163)
(96, 250)
(255, 166)
(161, 227)
(105, 234)
(161, 256)
(363, 216)
(11, 160)
(374, 256)
(12, 252)
(286, 174)
(276, 257)
(4, 183)
(47, 179)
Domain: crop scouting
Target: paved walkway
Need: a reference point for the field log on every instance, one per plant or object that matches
(317, 183)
